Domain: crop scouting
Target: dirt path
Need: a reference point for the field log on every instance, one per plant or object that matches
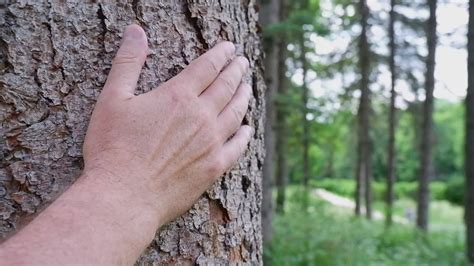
(344, 202)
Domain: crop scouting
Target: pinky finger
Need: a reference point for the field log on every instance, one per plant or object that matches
(236, 146)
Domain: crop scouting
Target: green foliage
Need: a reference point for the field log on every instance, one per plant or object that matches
(455, 190)
(327, 235)
(438, 191)
(449, 139)
(403, 189)
(332, 151)
(407, 147)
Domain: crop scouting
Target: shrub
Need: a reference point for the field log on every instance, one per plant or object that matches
(455, 190)
(406, 189)
(438, 190)
(403, 189)
(326, 235)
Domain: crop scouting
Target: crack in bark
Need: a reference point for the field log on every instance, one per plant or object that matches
(136, 12)
(255, 88)
(194, 21)
(101, 16)
(5, 64)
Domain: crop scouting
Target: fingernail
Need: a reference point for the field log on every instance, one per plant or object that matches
(244, 61)
(133, 32)
(230, 47)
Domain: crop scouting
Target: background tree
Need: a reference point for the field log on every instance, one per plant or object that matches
(469, 140)
(55, 56)
(304, 101)
(426, 170)
(364, 159)
(282, 113)
(270, 15)
(392, 119)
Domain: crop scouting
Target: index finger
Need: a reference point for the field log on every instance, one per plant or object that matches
(204, 70)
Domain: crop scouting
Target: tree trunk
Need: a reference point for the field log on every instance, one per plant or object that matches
(269, 15)
(281, 115)
(427, 123)
(305, 96)
(392, 120)
(55, 56)
(364, 168)
(360, 180)
(469, 148)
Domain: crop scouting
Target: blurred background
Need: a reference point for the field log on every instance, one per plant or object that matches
(365, 132)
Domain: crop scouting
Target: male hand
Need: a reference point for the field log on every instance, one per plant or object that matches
(169, 145)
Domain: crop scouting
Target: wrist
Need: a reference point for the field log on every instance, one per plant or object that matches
(128, 207)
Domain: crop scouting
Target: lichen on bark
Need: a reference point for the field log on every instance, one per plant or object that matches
(55, 56)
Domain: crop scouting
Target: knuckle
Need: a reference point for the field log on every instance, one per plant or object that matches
(127, 57)
(238, 113)
(176, 98)
(211, 65)
(204, 117)
(216, 141)
(242, 148)
(216, 167)
(179, 99)
(228, 86)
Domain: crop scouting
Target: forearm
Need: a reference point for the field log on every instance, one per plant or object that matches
(94, 222)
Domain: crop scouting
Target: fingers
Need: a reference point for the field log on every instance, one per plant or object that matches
(128, 62)
(220, 92)
(203, 70)
(236, 146)
(231, 117)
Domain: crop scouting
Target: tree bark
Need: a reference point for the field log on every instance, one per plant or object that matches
(364, 168)
(426, 167)
(281, 116)
(392, 120)
(269, 15)
(55, 56)
(469, 147)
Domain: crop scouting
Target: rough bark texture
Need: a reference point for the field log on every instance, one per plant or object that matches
(364, 167)
(427, 123)
(269, 15)
(55, 56)
(281, 114)
(391, 120)
(469, 147)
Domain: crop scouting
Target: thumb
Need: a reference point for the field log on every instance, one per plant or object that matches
(128, 62)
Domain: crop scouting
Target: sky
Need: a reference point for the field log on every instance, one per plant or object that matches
(451, 61)
(451, 53)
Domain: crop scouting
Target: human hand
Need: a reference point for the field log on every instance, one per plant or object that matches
(169, 145)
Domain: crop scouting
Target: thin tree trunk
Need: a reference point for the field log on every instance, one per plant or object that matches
(269, 16)
(360, 180)
(54, 59)
(392, 121)
(281, 116)
(330, 162)
(427, 123)
(305, 96)
(364, 172)
(469, 147)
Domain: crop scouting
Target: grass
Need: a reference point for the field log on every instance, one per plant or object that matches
(328, 235)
